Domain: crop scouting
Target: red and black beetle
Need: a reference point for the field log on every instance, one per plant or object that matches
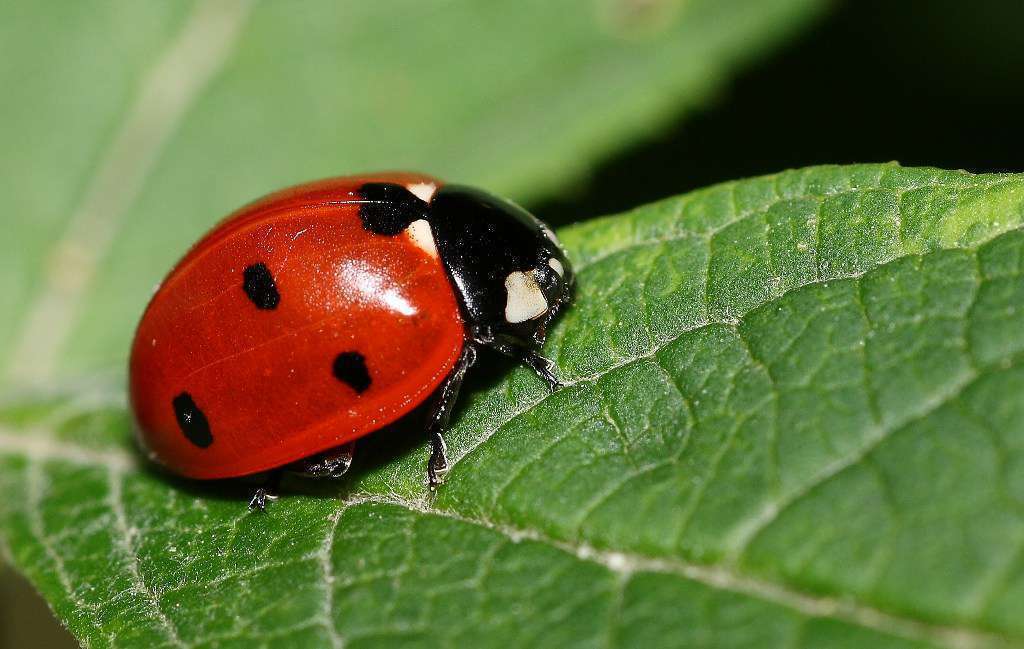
(323, 312)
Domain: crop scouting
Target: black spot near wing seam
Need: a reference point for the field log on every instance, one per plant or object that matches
(389, 208)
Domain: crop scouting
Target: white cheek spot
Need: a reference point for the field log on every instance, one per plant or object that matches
(420, 234)
(423, 191)
(525, 299)
(556, 266)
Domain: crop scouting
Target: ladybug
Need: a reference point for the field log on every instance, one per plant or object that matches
(324, 312)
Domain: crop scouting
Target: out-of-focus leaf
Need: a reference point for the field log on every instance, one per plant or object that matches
(129, 127)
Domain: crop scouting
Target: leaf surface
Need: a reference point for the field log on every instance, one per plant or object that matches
(793, 420)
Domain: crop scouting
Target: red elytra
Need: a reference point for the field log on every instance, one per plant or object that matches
(255, 373)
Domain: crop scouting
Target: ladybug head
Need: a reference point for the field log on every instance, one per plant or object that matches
(509, 271)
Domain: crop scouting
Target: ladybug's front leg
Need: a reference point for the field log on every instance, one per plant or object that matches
(332, 464)
(441, 411)
(528, 356)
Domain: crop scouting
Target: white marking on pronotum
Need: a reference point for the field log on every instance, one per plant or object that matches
(165, 94)
(525, 299)
(423, 191)
(419, 232)
(556, 266)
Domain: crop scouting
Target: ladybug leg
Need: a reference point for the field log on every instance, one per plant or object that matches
(331, 465)
(441, 411)
(258, 502)
(528, 356)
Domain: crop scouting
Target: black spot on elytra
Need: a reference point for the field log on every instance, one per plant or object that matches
(260, 287)
(389, 208)
(192, 421)
(350, 368)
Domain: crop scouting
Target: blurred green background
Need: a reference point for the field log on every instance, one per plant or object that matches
(932, 83)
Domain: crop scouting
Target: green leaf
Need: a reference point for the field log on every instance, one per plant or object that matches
(793, 419)
(136, 125)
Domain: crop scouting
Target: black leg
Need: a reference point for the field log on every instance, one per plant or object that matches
(268, 491)
(528, 356)
(437, 421)
(332, 464)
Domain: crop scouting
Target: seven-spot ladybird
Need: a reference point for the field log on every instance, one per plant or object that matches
(323, 312)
